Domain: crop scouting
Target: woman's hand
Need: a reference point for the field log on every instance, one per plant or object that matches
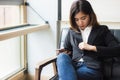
(85, 46)
(58, 51)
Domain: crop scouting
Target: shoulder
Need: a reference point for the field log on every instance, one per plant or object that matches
(101, 27)
(70, 31)
(104, 26)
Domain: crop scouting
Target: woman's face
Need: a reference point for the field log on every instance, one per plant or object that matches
(82, 20)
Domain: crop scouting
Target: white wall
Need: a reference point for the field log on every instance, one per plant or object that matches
(41, 44)
(106, 10)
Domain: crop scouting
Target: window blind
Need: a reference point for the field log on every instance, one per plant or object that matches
(11, 2)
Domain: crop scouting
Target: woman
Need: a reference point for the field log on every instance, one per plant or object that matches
(87, 42)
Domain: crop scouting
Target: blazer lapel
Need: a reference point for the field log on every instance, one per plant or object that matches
(93, 35)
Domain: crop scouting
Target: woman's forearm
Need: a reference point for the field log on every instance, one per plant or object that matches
(85, 46)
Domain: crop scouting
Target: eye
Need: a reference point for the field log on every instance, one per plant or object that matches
(83, 18)
(76, 19)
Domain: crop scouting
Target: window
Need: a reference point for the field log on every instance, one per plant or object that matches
(13, 40)
(9, 16)
(9, 56)
(11, 50)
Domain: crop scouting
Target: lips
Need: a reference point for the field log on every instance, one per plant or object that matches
(82, 27)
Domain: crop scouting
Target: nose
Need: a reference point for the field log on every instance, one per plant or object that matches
(80, 22)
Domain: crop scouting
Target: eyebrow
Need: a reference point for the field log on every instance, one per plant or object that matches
(81, 17)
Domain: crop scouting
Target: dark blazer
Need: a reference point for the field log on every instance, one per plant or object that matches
(101, 37)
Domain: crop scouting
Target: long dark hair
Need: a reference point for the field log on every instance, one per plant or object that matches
(85, 7)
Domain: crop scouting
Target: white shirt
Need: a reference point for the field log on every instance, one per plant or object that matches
(85, 33)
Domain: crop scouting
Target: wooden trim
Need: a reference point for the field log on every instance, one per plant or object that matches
(6, 34)
(24, 51)
(42, 64)
(19, 76)
(24, 12)
(54, 67)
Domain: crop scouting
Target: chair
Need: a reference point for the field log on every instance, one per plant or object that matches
(115, 71)
(42, 64)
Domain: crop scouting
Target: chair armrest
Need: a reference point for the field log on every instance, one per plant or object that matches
(42, 64)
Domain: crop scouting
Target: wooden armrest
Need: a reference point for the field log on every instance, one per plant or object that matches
(42, 64)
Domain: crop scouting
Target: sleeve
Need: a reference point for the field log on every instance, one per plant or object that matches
(67, 42)
(110, 39)
(112, 47)
(112, 51)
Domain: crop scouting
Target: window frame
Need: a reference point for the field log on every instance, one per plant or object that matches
(21, 30)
